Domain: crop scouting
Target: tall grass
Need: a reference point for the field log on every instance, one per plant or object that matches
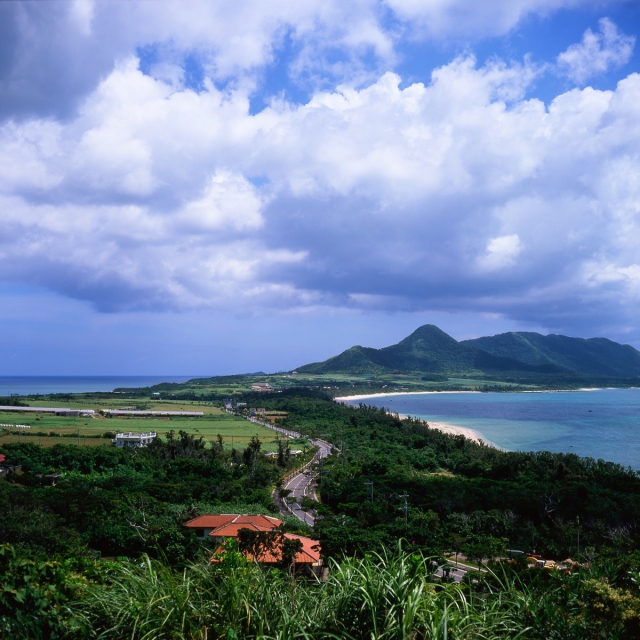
(379, 597)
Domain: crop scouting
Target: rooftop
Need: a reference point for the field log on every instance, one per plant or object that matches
(224, 521)
(130, 434)
(308, 554)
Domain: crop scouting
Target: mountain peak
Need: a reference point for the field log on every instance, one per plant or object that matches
(430, 350)
(429, 334)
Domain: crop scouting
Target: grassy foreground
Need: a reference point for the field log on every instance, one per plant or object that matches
(381, 596)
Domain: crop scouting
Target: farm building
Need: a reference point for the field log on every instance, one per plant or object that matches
(57, 411)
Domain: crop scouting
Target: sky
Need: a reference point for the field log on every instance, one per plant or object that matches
(204, 188)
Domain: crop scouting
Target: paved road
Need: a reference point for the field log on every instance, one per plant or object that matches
(457, 574)
(303, 483)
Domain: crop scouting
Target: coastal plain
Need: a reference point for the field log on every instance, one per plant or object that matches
(235, 431)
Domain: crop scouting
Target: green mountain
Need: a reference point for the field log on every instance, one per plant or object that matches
(428, 350)
(592, 356)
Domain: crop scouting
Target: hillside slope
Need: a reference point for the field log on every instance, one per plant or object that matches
(592, 356)
(429, 350)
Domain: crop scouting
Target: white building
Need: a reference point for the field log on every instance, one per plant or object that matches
(133, 439)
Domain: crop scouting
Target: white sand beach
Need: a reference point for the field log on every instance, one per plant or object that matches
(343, 399)
(452, 429)
(458, 431)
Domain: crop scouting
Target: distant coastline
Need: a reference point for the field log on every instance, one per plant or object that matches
(45, 385)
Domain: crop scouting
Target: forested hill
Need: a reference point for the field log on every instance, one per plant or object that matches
(592, 356)
(428, 349)
(431, 350)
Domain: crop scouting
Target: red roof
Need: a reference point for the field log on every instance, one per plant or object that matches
(209, 522)
(231, 530)
(2, 457)
(222, 523)
(309, 553)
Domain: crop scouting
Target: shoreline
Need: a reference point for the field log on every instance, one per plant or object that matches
(445, 427)
(452, 429)
(344, 399)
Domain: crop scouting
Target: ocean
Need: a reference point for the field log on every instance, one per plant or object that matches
(29, 385)
(602, 423)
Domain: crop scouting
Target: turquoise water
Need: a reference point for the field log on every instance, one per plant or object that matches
(603, 423)
(28, 385)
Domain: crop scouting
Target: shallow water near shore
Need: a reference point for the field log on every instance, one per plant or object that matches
(602, 423)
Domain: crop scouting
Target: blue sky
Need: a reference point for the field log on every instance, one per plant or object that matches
(209, 188)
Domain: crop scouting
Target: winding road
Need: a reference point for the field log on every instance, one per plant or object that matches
(302, 482)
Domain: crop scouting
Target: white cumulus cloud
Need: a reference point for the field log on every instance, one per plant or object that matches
(501, 252)
(596, 53)
(456, 193)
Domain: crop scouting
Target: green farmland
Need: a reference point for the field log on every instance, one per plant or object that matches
(235, 431)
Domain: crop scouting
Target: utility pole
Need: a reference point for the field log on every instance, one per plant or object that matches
(578, 520)
(369, 485)
(405, 507)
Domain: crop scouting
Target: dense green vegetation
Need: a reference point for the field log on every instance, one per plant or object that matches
(105, 554)
(522, 357)
(427, 349)
(593, 356)
(124, 502)
(392, 595)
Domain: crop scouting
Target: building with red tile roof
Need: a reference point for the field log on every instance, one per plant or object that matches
(308, 554)
(225, 526)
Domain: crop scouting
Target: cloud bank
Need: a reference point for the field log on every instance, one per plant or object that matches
(128, 185)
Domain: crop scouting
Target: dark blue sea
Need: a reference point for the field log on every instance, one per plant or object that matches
(29, 385)
(603, 423)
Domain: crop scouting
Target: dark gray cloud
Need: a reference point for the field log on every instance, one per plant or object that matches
(50, 58)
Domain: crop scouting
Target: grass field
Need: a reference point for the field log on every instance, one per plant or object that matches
(235, 431)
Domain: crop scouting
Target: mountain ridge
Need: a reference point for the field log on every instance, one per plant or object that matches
(589, 356)
(430, 350)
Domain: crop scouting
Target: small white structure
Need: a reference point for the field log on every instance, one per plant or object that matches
(133, 439)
